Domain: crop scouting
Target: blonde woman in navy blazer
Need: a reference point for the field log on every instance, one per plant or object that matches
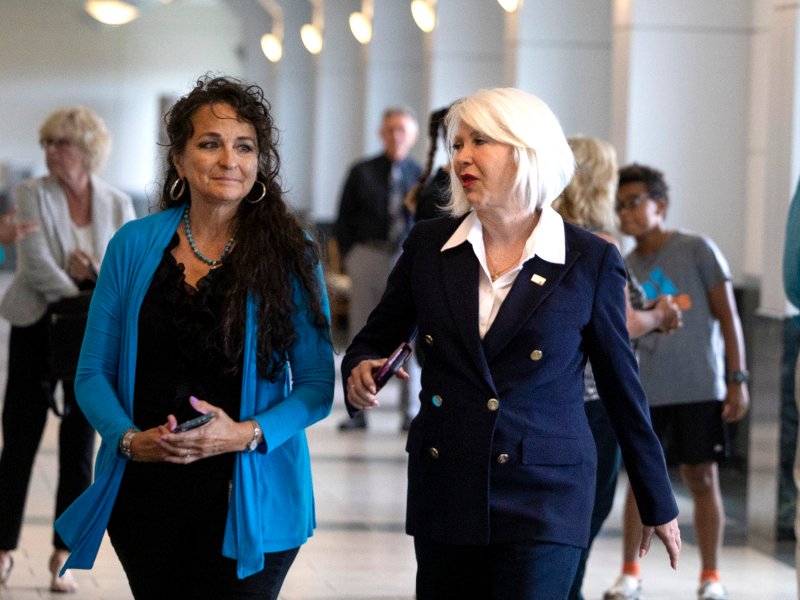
(509, 302)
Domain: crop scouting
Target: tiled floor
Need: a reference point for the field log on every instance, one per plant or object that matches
(359, 550)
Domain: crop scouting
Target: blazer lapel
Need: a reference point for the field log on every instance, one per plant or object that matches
(101, 219)
(535, 282)
(61, 244)
(460, 272)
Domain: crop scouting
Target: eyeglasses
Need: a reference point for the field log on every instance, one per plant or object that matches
(59, 143)
(630, 202)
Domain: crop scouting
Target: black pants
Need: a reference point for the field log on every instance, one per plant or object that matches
(29, 395)
(170, 541)
(523, 570)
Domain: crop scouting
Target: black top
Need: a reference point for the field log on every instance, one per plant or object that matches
(180, 355)
(180, 347)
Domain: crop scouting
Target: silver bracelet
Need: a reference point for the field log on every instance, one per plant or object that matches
(125, 443)
(253, 444)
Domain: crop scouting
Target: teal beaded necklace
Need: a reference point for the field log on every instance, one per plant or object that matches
(188, 228)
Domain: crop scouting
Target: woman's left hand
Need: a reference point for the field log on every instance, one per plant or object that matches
(669, 534)
(220, 435)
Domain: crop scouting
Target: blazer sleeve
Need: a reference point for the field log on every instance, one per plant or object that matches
(392, 321)
(616, 373)
(36, 263)
(347, 222)
(791, 252)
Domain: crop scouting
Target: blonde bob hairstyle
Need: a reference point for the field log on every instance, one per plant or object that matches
(510, 116)
(83, 128)
(588, 200)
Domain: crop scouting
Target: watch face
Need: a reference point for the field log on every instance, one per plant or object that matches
(738, 377)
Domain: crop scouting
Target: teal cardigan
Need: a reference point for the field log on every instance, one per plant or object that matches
(272, 502)
(791, 253)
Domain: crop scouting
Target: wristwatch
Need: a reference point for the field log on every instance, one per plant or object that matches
(737, 377)
(253, 444)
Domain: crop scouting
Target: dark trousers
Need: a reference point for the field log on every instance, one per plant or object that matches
(170, 546)
(524, 570)
(29, 395)
(608, 465)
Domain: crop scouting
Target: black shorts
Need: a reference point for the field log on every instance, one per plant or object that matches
(691, 433)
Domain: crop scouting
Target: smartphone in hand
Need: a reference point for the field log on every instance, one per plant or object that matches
(396, 360)
(196, 422)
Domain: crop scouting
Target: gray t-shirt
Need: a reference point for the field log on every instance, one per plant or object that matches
(688, 364)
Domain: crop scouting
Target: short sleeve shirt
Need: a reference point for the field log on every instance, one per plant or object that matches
(688, 364)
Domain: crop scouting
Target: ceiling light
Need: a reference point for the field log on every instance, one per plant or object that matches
(361, 22)
(311, 33)
(312, 38)
(112, 12)
(272, 42)
(272, 47)
(510, 5)
(424, 14)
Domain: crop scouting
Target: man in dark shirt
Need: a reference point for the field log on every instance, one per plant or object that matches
(372, 223)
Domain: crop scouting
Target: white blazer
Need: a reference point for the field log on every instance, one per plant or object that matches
(41, 276)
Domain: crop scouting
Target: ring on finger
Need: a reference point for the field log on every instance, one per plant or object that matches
(188, 453)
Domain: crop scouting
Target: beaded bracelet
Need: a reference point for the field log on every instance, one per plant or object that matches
(125, 443)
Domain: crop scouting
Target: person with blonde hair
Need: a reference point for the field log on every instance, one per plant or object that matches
(77, 213)
(588, 201)
(509, 302)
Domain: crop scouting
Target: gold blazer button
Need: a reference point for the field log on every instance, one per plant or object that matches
(536, 355)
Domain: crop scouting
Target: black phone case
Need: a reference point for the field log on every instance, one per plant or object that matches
(194, 423)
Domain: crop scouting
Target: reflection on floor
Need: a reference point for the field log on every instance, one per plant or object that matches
(360, 550)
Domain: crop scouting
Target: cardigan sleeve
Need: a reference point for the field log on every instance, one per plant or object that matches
(791, 252)
(98, 368)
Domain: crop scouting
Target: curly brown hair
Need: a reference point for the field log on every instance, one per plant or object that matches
(273, 249)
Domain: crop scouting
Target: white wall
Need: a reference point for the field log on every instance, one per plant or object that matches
(687, 111)
(54, 55)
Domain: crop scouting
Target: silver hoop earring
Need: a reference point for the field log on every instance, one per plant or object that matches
(263, 193)
(174, 193)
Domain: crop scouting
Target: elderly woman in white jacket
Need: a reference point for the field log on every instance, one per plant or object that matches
(77, 214)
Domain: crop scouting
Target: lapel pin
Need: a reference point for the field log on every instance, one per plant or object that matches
(538, 279)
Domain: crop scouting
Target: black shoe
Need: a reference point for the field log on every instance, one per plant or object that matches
(359, 421)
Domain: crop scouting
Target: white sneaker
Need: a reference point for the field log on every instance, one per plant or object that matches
(626, 587)
(711, 590)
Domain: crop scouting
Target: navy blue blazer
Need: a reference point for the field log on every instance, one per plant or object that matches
(501, 449)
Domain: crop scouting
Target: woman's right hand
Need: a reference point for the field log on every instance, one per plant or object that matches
(12, 231)
(148, 445)
(361, 389)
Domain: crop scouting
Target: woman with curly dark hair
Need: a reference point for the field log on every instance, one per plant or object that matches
(211, 308)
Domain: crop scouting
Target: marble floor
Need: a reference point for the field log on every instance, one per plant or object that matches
(359, 550)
